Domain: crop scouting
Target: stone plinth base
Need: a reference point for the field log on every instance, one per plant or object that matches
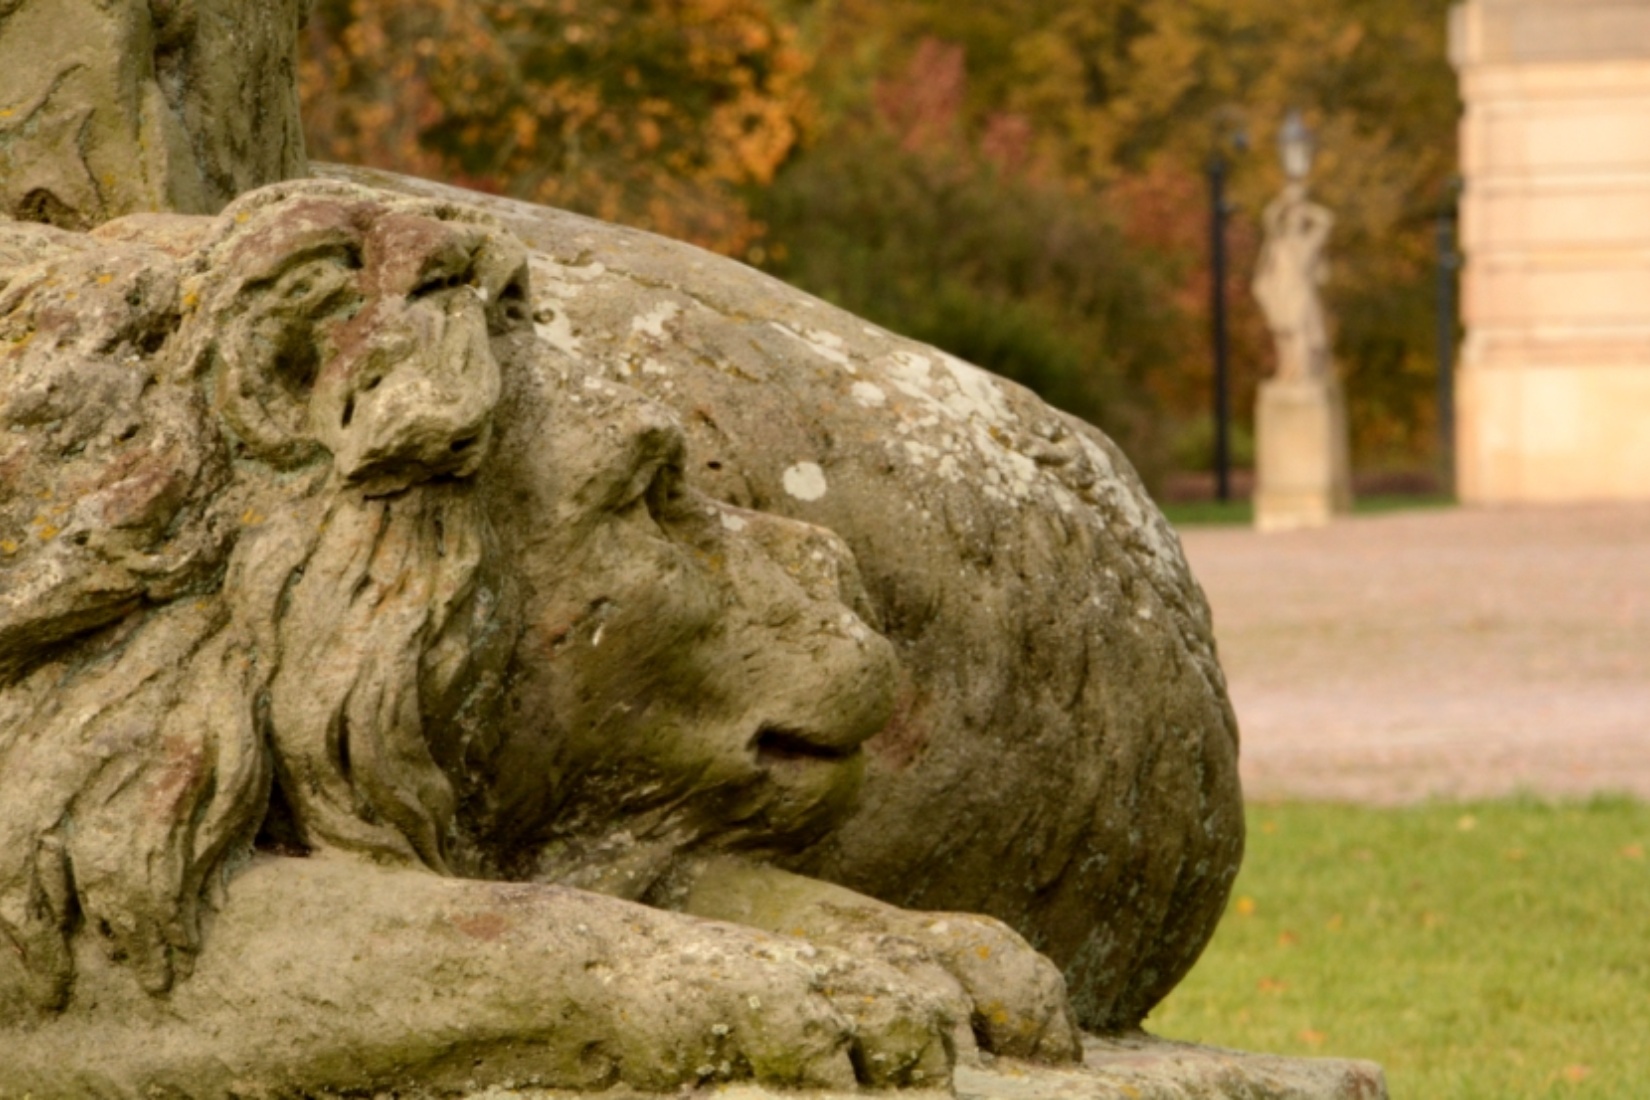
(1303, 475)
(1141, 1068)
(1156, 1069)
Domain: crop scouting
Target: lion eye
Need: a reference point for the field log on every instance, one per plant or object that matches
(321, 288)
(511, 310)
(439, 281)
(658, 489)
(665, 494)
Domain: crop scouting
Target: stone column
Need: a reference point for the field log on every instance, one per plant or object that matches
(108, 107)
(1553, 399)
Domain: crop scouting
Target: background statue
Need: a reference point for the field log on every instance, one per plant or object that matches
(1303, 467)
(1288, 277)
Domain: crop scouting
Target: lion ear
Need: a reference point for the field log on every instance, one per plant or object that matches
(259, 381)
(263, 395)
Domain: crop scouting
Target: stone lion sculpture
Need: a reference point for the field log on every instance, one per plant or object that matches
(1062, 753)
(352, 637)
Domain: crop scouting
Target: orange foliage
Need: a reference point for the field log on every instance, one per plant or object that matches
(650, 112)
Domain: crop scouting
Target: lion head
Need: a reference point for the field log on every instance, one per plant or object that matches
(240, 551)
(690, 675)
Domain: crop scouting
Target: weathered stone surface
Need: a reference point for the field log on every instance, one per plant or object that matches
(108, 107)
(251, 588)
(1062, 754)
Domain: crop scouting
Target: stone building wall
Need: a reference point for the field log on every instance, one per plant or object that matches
(1553, 398)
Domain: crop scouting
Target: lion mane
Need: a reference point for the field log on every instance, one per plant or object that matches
(244, 581)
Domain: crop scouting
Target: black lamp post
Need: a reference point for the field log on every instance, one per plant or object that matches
(1217, 315)
(1227, 134)
(1449, 265)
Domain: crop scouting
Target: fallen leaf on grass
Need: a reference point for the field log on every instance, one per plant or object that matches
(1245, 907)
(1467, 823)
(1577, 1074)
(1271, 985)
(1313, 1038)
(1288, 939)
(1514, 855)
(1335, 922)
(1268, 827)
(1633, 851)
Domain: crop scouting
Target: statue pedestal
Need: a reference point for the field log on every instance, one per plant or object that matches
(1303, 473)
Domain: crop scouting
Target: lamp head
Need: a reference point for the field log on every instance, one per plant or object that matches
(1296, 146)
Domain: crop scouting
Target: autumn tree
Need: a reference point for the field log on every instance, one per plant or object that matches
(657, 113)
(967, 239)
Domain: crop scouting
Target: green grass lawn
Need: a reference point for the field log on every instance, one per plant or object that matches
(1497, 950)
(1242, 511)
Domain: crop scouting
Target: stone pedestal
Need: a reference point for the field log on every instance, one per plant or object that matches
(1302, 469)
(1553, 400)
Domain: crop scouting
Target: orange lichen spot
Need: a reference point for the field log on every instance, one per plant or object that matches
(7, 546)
(105, 279)
(983, 951)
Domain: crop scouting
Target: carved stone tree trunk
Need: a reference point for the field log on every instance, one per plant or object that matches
(109, 107)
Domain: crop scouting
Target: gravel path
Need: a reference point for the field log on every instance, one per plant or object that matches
(1459, 653)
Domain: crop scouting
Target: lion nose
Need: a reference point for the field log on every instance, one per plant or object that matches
(818, 605)
(421, 405)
